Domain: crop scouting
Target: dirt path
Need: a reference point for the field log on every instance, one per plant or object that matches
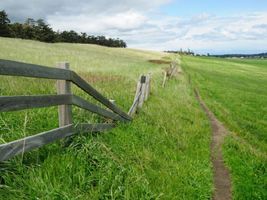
(221, 177)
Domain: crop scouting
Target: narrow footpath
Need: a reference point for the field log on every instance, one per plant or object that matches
(221, 176)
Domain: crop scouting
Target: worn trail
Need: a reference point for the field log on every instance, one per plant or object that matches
(221, 177)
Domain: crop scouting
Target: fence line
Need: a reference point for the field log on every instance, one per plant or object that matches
(64, 100)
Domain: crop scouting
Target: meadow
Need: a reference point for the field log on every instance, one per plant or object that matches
(163, 154)
(235, 90)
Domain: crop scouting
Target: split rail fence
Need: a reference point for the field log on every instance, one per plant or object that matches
(64, 99)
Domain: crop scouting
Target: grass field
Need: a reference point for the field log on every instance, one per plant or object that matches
(236, 91)
(163, 154)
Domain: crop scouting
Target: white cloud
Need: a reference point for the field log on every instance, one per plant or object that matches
(22, 9)
(244, 32)
(141, 25)
(99, 23)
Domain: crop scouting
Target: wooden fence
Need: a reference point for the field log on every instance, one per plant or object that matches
(64, 100)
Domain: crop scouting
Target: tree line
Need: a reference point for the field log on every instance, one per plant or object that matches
(182, 52)
(259, 55)
(41, 31)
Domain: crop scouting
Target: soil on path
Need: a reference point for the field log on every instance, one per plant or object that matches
(221, 177)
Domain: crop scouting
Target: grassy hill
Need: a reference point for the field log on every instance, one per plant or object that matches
(235, 90)
(163, 154)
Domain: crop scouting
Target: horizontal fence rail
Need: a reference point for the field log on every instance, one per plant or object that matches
(14, 103)
(26, 144)
(13, 68)
(95, 109)
(64, 99)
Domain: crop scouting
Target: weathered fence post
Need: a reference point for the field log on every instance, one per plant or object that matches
(164, 79)
(143, 91)
(138, 87)
(64, 87)
(108, 120)
(173, 69)
(133, 108)
(148, 79)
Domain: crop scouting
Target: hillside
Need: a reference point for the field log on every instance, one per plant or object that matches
(163, 154)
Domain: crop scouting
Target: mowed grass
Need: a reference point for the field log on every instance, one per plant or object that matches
(163, 154)
(235, 90)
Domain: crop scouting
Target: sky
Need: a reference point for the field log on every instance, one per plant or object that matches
(205, 26)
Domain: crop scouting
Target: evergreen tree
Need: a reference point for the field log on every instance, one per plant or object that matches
(29, 29)
(17, 30)
(4, 24)
(43, 32)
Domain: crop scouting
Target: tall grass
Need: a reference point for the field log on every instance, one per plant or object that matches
(163, 154)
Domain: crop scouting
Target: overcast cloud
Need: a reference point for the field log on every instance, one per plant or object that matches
(141, 24)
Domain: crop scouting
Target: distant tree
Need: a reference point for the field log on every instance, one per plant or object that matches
(29, 29)
(83, 38)
(30, 22)
(17, 30)
(4, 24)
(69, 36)
(43, 32)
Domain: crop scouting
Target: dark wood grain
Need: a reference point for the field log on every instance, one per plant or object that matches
(13, 103)
(13, 68)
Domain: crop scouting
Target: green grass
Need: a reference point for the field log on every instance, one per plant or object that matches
(163, 154)
(235, 90)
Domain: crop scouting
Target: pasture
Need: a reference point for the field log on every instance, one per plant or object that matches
(163, 154)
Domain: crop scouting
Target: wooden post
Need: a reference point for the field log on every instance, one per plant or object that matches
(164, 79)
(64, 87)
(138, 88)
(173, 69)
(147, 87)
(143, 91)
(133, 108)
(108, 120)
